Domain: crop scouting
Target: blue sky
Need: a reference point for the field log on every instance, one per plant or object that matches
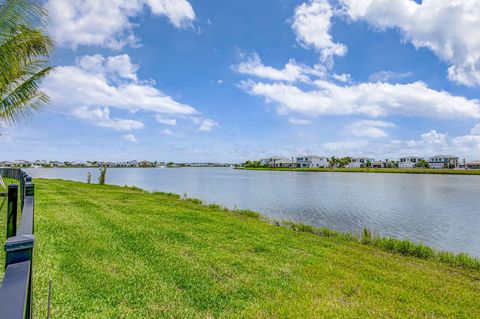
(234, 80)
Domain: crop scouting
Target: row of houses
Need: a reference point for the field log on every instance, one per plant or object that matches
(314, 161)
(43, 163)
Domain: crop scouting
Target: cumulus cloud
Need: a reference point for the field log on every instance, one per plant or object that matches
(292, 71)
(311, 23)
(427, 144)
(101, 117)
(96, 84)
(108, 23)
(371, 99)
(432, 143)
(369, 128)
(91, 82)
(119, 66)
(448, 28)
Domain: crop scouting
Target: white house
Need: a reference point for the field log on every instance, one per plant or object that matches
(409, 162)
(358, 162)
(472, 165)
(312, 161)
(443, 161)
(278, 161)
(21, 163)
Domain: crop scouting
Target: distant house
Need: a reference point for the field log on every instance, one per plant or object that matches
(384, 164)
(377, 164)
(6, 164)
(265, 161)
(41, 163)
(409, 162)
(443, 161)
(278, 161)
(146, 164)
(312, 161)
(21, 163)
(472, 165)
(358, 162)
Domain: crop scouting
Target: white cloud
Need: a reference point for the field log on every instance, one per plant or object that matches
(122, 66)
(311, 23)
(165, 121)
(386, 76)
(179, 12)
(369, 128)
(206, 125)
(298, 121)
(119, 66)
(101, 117)
(447, 27)
(476, 130)
(107, 23)
(96, 84)
(130, 138)
(433, 137)
(92, 82)
(344, 77)
(292, 71)
(372, 99)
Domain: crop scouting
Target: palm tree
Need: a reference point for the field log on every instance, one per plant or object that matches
(24, 52)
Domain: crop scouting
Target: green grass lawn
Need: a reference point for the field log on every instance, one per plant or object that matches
(118, 252)
(373, 170)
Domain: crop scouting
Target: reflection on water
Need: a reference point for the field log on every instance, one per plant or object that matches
(442, 211)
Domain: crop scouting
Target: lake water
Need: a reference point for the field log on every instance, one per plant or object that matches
(442, 211)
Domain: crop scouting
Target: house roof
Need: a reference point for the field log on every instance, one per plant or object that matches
(444, 156)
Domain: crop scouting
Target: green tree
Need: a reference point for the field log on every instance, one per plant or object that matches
(344, 161)
(422, 163)
(333, 161)
(24, 52)
(369, 164)
(103, 175)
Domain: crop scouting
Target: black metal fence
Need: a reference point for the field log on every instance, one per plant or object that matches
(16, 289)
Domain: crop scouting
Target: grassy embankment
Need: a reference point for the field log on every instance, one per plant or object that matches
(373, 170)
(119, 252)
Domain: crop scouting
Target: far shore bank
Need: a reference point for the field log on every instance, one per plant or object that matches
(370, 170)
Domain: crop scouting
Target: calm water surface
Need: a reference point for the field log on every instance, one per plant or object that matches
(442, 211)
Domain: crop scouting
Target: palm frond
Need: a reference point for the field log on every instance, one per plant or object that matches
(24, 49)
(24, 98)
(20, 12)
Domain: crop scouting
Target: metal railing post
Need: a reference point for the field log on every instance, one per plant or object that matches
(22, 189)
(16, 288)
(12, 210)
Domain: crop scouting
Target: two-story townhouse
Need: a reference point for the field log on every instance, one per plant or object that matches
(312, 161)
(409, 161)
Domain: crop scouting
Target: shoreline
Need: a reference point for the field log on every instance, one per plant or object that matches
(404, 247)
(369, 170)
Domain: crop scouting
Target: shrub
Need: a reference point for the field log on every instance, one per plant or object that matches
(194, 200)
(248, 213)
